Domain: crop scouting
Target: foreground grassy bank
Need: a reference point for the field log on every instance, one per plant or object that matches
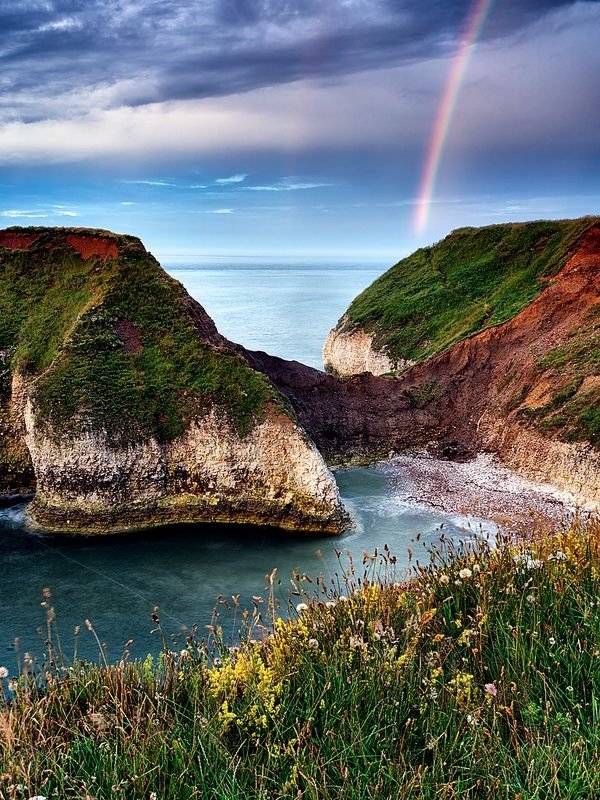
(480, 678)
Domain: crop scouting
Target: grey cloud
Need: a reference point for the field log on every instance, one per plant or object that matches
(57, 57)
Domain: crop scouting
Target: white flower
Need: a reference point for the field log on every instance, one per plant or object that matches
(558, 556)
(313, 644)
(342, 598)
(183, 653)
(570, 689)
(527, 561)
(3, 672)
(444, 579)
(476, 568)
(330, 604)
(465, 574)
(301, 607)
(552, 640)
(530, 598)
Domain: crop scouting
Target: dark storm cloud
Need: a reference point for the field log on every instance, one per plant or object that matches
(61, 58)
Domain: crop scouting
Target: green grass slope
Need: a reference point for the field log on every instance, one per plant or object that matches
(472, 279)
(112, 344)
(479, 679)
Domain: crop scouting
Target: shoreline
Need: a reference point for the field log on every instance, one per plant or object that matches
(480, 488)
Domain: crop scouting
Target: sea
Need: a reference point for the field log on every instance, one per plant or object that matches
(182, 574)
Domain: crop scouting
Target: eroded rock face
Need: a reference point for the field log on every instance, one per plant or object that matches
(16, 468)
(351, 351)
(571, 467)
(273, 476)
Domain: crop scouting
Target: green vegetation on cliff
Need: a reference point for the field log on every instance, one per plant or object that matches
(471, 280)
(574, 409)
(478, 679)
(112, 343)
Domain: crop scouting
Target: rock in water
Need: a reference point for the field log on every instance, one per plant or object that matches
(124, 407)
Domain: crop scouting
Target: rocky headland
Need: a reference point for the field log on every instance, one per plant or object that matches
(122, 407)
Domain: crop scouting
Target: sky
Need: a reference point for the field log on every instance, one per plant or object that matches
(345, 130)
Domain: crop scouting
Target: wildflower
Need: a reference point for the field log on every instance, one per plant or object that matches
(3, 672)
(525, 559)
(476, 568)
(313, 644)
(570, 689)
(552, 640)
(558, 556)
(465, 574)
(490, 688)
(444, 579)
(330, 604)
(530, 598)
(342, 598)
(153, 796)
(301, 607)
(183, 653)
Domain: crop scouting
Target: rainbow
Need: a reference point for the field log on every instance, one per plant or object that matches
(443, 119)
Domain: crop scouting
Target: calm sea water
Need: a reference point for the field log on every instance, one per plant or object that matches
(286, 311)
(117, 581)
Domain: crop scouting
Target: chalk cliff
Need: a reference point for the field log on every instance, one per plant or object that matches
(349, 351)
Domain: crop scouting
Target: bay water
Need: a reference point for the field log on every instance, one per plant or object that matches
(118, 581)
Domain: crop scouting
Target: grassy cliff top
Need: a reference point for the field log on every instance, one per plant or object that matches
(472, 279)
(111, 339)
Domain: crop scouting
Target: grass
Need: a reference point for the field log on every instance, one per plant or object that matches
(472, 279)
(61, 322)
(480, 678)
(574, 408)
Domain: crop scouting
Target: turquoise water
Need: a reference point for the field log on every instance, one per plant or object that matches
(118, 581)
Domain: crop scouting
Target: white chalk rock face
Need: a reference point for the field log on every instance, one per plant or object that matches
(349, 351)
(272, 476)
